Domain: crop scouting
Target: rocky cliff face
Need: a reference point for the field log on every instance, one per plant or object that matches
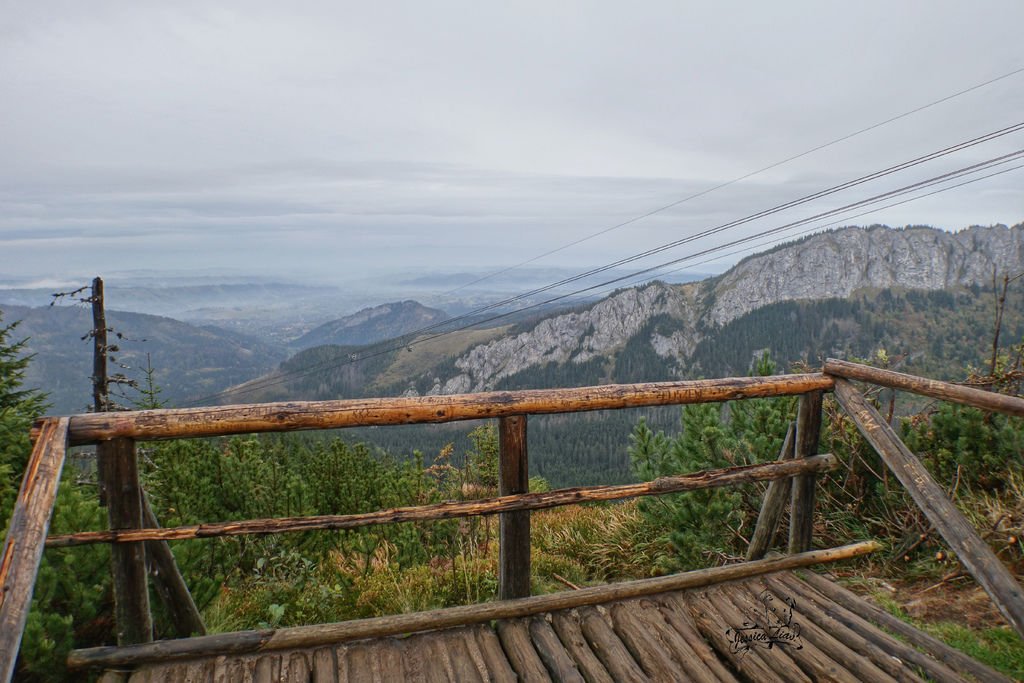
(572, 337)
(833, 264)
(838, 263)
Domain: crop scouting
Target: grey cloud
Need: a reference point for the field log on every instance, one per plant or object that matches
(266, 135)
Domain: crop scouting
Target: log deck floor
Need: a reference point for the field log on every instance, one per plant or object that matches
(831, 635)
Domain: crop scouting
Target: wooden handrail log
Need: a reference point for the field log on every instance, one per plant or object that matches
(23, 547)
(957, 393)
(323, 634)
(470, 508)
(278, 417)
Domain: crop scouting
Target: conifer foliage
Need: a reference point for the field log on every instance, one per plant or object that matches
(18, 408)
(708, 522)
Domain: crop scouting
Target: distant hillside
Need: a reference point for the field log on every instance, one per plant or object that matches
(276, 312)
(189, 361)
(373, 324)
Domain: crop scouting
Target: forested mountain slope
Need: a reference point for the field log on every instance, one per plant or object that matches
(934, 333)
(188, 360)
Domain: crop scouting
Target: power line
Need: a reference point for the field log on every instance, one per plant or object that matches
(775, 241)
(1006, 158)
(331, 364)
(741, 178)
(732, 224)
(945, 177)
(326, 365)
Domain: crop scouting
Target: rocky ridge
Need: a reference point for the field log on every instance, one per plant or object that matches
(836, 264)
(832, 264)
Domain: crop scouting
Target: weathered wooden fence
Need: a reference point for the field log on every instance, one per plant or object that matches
(139, 539)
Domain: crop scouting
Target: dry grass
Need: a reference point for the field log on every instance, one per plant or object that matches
(596, 543)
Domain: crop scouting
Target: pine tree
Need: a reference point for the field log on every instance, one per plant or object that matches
(759, 425)
(705, 522)
(18, 408)
(696, 522)
(149, 390)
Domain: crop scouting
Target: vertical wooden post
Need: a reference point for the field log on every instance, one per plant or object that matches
(134, 622)
(514, 527)
(808, 433)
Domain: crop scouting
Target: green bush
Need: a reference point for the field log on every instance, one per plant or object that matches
(967, 445)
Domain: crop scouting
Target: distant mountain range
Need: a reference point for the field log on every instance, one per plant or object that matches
(831, 285)
(277, 312)
(282, 312)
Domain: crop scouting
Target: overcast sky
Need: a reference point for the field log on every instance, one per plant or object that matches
(339, 138)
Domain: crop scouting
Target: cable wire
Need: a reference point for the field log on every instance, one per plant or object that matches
(816, 228)
(279, 379)
(738, 179)
(326, 365)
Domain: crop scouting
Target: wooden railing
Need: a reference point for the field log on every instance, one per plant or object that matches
(990, 573)
(297, 415)
(134, 537)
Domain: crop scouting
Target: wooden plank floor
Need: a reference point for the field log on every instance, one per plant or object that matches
(772, 628)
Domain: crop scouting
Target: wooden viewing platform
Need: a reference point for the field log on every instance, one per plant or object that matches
(816, 630)
(760, 620)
